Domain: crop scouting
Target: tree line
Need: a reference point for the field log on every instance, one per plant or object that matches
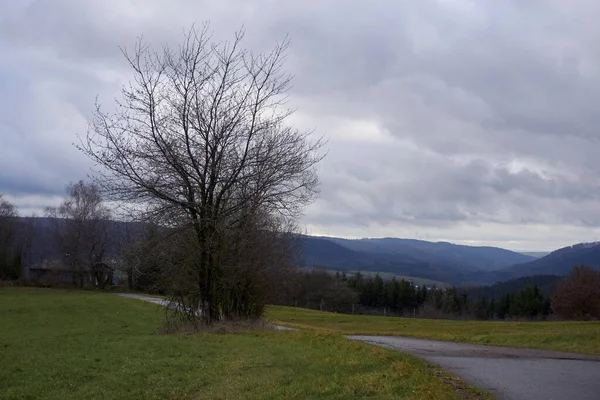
(10, 252)
(575, 297)
(146, 257)
(15, 242)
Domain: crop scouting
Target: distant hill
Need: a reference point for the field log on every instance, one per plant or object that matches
(559, 262)
(456, 256)
(43, 244)
(323, 252)
(536, 254)
(386, 276)
(439, 261)
(445, 262)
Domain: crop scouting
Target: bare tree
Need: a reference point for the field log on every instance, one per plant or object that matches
(578, 296)
(7, 209)
(81, 232)
(130, 252)
(10, 255)
(16, 241)
(141, 251)
(200, 143)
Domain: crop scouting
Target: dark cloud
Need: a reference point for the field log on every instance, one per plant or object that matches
(465, 120)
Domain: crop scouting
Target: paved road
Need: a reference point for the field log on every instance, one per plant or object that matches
(509, 373)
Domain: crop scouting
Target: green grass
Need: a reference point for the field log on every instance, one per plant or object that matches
(57, 344)
(415, 280)
(390, 275)
(579, 337)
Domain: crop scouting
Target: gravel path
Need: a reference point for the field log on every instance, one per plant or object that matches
(149, 299)
(165, 303)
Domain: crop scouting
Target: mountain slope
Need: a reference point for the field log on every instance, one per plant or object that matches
(445, 262)
(324, 252)
(442, 261)
(559, 262)
(459, 257)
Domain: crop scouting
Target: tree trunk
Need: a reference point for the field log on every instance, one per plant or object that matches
(80, 276)
(130, 278)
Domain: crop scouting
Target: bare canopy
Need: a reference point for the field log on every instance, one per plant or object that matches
(80, 230)
(199, 141)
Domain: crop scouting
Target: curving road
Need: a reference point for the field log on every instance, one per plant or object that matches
(508, 373)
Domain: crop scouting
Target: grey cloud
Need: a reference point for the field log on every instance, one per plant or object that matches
(461, 118)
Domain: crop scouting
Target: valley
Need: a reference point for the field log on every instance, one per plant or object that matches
(440, 262)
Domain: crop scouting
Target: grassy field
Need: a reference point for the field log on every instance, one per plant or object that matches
(415, 280)
(579, 337)
(390, 275)
(87, 345)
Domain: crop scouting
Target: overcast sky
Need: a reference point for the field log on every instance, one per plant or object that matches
(475, 122)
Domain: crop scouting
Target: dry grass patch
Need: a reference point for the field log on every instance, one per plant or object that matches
(177, 326)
